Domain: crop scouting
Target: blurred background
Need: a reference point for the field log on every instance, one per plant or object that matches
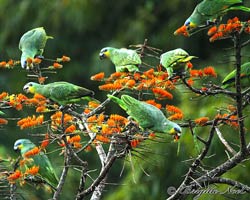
(81, 28)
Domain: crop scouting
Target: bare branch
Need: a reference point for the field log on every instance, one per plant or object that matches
(210, 91)
(99, 179)
(237, 45)
(223, 140)
(67, 159)
(195, 165)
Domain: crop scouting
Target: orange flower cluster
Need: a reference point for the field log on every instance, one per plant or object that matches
(30, 121)
(137, 139)
(3, 121)
(161, 93)
(190, 81)
(45, 142)
(176, 113)
(32, 152)
(231, 108)
(75, 141)
(225, 30)
(156, 81)
(63, 59)
(3, 95)
(134, 143)
(56, 119)
(201, 121)
(14, 176)
(70, 129)
(10, 64)
(103, 139)
(207, 71)
(196, 73)
(98, 77)
(41, 79)
(182, 31)
(118, 118)
(231, 121)
(247, 29)
(153, 103)
(39, 102)
(56, 65)
(91, 106)
(16, 101)
(32, 171)
(106, 127)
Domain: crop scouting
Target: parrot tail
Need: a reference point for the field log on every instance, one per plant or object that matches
(242, 8)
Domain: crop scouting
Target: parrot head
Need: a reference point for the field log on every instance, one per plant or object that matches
(189, 24)
(105, 53)
(175, 131)
(23, 144)
(29, 87)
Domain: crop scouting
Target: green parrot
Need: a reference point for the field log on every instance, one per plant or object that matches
(209, 11)
(229, 80)
(175, 60)
(123, 59)
(147, 116)
(61, 92)
(32, 44)
(46, 170)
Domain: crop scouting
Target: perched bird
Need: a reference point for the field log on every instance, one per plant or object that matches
(46, 170)
(229, 80)
(61, 92)
(32, 44)
(210, 11)
(175, 60)
(123, 59)
(147, 116)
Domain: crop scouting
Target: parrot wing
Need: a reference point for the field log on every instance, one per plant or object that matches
(214, 8)
(63, 92)
(123, 57)
(46, 170)
(142, 112)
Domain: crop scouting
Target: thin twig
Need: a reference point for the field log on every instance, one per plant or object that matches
(223, 140)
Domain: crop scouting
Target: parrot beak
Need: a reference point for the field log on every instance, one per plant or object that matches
(24, 64)
(26, 88)
(104, 54)
(176, 132)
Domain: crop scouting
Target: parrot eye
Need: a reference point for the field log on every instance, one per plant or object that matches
(187, 23)
(104, 50)
(30, 84)
(177, 130)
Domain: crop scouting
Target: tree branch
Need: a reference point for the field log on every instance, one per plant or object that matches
(99, 179)
(177, 195)
(63, 175)
(222, 139)
(237, 45)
